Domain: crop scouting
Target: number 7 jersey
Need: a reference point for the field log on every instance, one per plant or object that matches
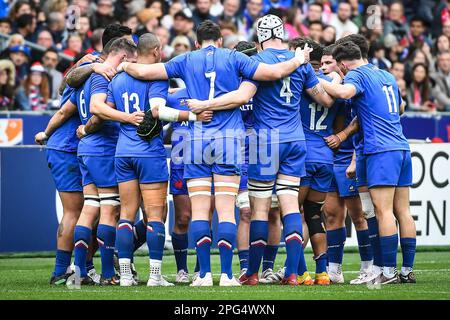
(377, 102)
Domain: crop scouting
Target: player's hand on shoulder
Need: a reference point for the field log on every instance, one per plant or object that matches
(335, 76)
(196, 106)
(121, 67)
(333, 141)
(87, 58)
(40, 138)
(205, 116)
(105, 70)
(81, 132)
(136, 117)
(350, 172)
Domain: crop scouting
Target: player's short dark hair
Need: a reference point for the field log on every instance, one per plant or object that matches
(24, 20)
(248, 48)
(328, 50)
(114, 31)
(147, 42)
(122, 44)
(208, 30)
(315, 55)
(346, 51)
(359, 40)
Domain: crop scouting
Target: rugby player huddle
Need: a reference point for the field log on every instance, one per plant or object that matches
(275, 131)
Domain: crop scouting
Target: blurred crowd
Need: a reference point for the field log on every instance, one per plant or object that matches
(40, 40)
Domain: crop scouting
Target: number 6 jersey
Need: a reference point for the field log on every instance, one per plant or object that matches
(103, 142)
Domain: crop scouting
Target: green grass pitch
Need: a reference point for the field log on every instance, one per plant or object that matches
(27, 278)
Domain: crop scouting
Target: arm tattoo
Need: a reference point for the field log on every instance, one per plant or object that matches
(317, 89)
(77, 76)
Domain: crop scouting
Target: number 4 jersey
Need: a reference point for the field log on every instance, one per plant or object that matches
(103, 142)
(276, 103)
(377, 102)
(130, 95)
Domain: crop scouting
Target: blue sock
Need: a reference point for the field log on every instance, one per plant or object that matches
(259, 231)
(365, 249)
(336, 240)
(124, 239)
(408, 251)
(180, 248)
(389, 245)
(140, 234)
(202, 235)
(243, 259)
(292, 231)
(90, 264)
(374, 238)
(270, 254)
(82, 239)
(227, 235)
(302, 268)
(62, 262)
(197, 264)
(156, 237)
(106, 237)
(321, 263)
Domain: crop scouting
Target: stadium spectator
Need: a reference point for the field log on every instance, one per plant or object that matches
(314, 13)
(316, 31)
(201, 12)
(84, 31)
(378, 56)
(180, 44)
(7, 84)
(57, 27)
(216, 8)
(293, 23)
(130, 21)
(395, 24)
(104, 14)
(442, 81)
(442, 44)
(417, 33)
(19, 8)
(149, 20)
(182, 26)
(49, 61)
(45, 39)
(96, 41)
(19, 55)
(163, 35)
(26, 26)
(158, 6)
(230, 13)
(252, 12)
(328, 35)
(342, 22)
(167, 20)
(34, 93)
(74, 45)
(419, 92)
(398, 70)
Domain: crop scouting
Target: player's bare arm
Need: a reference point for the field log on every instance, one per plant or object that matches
(319, 95)
(141, 71)
(87, 58)
(230, 100)
(77, 76)
(342, 91)
(99, 108)
(350, 172)
(57, 120)
(92, 125)
(335, 140)
(271, 72)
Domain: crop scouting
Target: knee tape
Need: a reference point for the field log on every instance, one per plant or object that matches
(287, 187)
(92, 200)
(226, 188)
(313, 217)
(242, 200)
(367, 205)
(109, 199)
(259, 189)
(199, 188)
(274, 203)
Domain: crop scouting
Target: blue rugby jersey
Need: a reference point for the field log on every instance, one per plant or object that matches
(130, 95)
(276, 103)
(208, 73)
(103, 142)
(377, 103)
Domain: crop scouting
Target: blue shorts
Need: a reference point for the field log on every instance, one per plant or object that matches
(65, 170)
(98, 170)
(143, 169)
(344, 186)
(361, 171)
(208, 157)
(390, 168)
(318, 176)
(291, 161)
(177, 182)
